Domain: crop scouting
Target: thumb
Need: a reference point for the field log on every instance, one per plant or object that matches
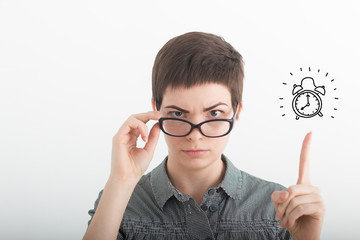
(279, 196)
(153, 139)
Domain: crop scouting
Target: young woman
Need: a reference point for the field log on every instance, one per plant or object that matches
(196, 192)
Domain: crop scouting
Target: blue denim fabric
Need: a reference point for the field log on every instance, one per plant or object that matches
(239, 207)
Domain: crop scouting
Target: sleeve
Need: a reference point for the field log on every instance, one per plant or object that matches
(92, 212)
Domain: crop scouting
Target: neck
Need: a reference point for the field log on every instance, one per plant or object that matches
(195, 181)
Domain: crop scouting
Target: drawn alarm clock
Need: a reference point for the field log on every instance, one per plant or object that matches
(307, 103)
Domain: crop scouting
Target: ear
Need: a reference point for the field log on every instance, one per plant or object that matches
(153, 104)
(239, 110)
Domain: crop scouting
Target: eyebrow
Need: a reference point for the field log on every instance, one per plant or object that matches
(205, 109)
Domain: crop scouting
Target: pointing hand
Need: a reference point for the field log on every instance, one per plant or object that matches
(301, 208)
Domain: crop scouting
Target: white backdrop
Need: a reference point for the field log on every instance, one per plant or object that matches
(72, 71)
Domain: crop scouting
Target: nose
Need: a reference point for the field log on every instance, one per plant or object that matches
(195, 133)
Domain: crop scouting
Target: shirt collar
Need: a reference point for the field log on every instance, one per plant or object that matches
(232, 181)
(160, 184)
(163, 188)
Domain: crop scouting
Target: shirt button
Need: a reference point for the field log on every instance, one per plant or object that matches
(211, 192)
(213, 208)
(204, 207)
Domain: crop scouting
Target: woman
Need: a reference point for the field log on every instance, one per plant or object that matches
(196, 192)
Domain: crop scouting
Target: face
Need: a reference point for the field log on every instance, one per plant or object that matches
(196, 104)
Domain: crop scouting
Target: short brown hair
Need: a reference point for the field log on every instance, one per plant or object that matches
(196, 58)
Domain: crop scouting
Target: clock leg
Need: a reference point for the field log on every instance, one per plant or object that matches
(320, 114)
(297, 117)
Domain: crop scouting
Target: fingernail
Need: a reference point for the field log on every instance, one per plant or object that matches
(284, 196)
(277, 216)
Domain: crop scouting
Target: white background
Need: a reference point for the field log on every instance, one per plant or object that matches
(72, 71)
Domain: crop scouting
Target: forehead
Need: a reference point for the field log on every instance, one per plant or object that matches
(205, 94)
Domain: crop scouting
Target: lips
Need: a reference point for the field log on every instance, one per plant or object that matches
(195, 152)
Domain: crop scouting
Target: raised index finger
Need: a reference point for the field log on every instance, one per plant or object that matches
(304, 166)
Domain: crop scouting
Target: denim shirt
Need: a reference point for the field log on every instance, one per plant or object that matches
(240, 207)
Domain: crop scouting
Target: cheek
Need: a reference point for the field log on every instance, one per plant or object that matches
(220, 143)
(172, 142)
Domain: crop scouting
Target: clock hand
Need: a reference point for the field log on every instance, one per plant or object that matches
(308, 104)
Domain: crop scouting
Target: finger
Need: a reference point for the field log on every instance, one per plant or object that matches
(133, 127)
(304, 166)
(139, 120)
(301, 200)
(153, 139)
(301, 210)
(145, 117)
(279, 196)
(295, 191)
(136, 121)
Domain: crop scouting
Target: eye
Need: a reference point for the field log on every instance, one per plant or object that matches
(177, 114)
(215, 113)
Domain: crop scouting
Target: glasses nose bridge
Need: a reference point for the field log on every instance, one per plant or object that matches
(196, 126)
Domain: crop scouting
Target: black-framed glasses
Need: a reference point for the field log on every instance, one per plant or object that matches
(211, 128)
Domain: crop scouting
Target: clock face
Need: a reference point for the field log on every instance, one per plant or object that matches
(307, 104)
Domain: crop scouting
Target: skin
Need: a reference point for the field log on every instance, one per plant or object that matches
(128, 164)
(194, 175)
(300, 208)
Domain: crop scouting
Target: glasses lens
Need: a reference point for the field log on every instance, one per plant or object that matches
(176, 127)
(215, 128)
